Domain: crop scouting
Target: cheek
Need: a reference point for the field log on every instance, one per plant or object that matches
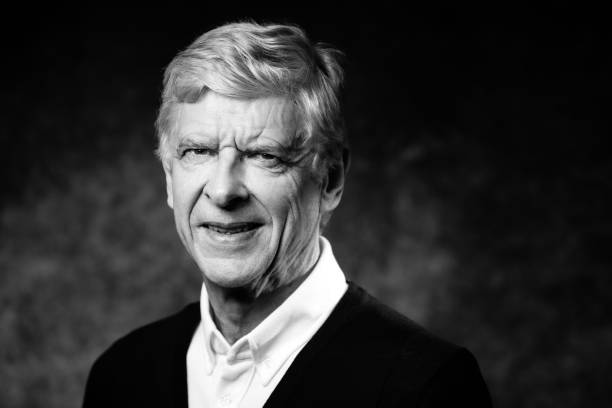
(300, 205)
(186, 188)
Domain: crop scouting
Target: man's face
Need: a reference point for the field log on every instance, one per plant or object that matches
(244, 207)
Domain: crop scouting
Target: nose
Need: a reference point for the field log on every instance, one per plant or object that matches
(225, 186)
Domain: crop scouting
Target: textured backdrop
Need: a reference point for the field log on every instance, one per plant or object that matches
(477, 202)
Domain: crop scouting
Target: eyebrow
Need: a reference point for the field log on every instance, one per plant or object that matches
(194, 138)
(290, 151)
(259, 144)
(255, 142)
(190, 142)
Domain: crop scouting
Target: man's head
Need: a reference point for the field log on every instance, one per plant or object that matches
(252, 143)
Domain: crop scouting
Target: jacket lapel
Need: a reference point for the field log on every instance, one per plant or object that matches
(171, 367)
(302, 365)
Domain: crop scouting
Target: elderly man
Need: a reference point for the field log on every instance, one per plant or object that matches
(253, 149)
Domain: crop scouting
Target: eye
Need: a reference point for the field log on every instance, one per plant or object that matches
(266, 156)
(199, 151)
(265, 159)
(196, 155)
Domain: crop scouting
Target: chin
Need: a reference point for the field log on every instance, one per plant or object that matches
(231, 274)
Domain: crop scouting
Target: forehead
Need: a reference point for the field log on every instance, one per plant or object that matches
(238, 120)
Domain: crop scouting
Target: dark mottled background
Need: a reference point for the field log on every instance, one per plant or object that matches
(478, 202)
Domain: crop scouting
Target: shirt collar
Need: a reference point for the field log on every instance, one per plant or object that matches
(288, 327)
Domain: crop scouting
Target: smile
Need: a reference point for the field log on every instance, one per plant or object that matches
(231, 228)
(223, 236)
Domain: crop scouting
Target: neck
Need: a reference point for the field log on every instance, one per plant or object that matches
(237, 311)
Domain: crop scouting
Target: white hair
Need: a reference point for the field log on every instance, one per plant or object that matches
(249, 60)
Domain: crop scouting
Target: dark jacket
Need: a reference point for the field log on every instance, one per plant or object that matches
(364, 355)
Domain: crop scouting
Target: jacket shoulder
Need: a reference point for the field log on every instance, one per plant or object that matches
(386, 358)
(155, 336)
(385, 328)
(134, 368)
(424, 369)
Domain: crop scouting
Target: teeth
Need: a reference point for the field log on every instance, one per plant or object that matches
(229, 231)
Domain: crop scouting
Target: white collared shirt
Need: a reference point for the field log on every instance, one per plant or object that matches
(245, 373)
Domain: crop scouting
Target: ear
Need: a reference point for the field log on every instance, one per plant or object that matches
(333, 184)
(168, 171)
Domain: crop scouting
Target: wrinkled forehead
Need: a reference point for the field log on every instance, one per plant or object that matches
(239, 121)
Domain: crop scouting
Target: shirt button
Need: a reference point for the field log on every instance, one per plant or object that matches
(225, 400)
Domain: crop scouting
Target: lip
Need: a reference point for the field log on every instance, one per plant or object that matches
(232, 233)
(231, 227)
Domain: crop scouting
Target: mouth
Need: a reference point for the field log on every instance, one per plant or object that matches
(231, 228)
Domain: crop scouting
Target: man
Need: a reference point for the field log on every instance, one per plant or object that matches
(253, 149)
